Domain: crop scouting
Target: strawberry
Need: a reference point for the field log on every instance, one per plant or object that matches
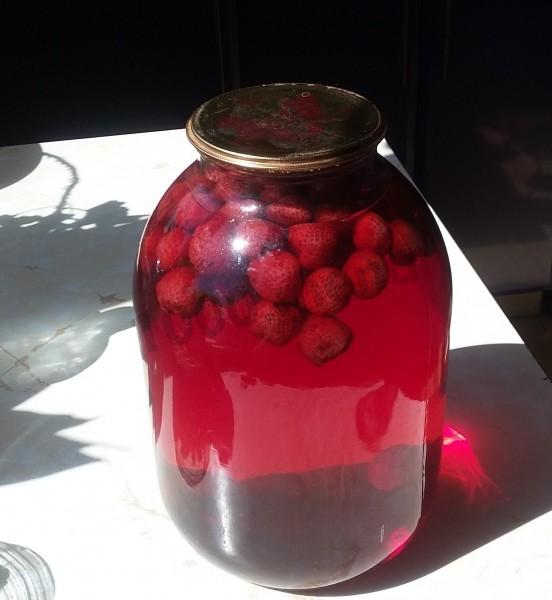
(276, 276)
(288, 210)
(147, 257)
(274, 323)
(301, 299)
(211, 318)
(323, 338)
(209, 249)
(177, 292)
(326, 291)
(172, 248)
(406, 242)
(232, 187)
(331, 212)
(368, 273)
(196, 207)
(170, 199)
(313, 243)
(239, 312)
(254, 236)
(371, 233)
(245, 208)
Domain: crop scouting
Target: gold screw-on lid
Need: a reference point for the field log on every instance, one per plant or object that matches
(286, 127)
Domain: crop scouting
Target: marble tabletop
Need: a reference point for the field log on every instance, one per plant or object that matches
(80, 512)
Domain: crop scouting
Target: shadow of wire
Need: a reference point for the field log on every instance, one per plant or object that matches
(66, 273)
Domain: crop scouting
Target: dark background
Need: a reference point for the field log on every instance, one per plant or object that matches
(465, 85)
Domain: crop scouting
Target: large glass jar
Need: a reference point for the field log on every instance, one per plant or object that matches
(292, 294)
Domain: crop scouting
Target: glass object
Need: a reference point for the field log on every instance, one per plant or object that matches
(292, 294)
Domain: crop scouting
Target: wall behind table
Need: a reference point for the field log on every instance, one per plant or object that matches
(69, 71)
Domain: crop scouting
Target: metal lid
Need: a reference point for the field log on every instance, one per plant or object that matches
(286, 127)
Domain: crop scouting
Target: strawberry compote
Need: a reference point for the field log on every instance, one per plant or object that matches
(295, 333)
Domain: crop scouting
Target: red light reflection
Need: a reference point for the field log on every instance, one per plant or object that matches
(460, 464)
(397, 541)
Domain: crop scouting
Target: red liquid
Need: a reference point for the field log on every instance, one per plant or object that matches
(288, 473)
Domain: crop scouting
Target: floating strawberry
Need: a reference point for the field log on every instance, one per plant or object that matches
(371, 233)
(211, 318)
(276, 276)
(288, 211)
(177, 292)
(169, 201)
(239, 312)
(196, 207)
(323, 338)
(172, 248)
(232, 187)
(253, 236)
(209, 249)
(326, 291)
(331, 212)
(368, 273)
(406, 242)
(313, 243)
(274, 323)
(148, 247)
(245, 208)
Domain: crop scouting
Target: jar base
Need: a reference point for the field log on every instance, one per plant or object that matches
(292, 530)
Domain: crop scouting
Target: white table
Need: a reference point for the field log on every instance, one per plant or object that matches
(77, 481)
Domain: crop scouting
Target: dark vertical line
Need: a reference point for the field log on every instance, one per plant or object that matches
(227, 34)
(446, 40)
(435, 39)
(405, 41)
(411, 76)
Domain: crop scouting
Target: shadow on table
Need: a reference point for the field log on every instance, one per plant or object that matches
(497, 461)
(16, 162)
(24, 574)
(65, 277)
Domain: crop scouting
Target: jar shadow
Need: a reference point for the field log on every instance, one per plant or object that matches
(495, 471)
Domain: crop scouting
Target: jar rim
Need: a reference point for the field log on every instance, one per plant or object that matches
(286, 128)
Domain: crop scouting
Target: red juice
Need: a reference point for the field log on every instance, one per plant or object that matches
(284, 466)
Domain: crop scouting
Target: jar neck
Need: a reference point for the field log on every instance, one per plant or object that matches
(361, 167)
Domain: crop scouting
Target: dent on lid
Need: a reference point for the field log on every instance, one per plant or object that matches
(286, 127)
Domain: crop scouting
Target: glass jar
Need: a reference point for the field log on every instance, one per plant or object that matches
(292, 294)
